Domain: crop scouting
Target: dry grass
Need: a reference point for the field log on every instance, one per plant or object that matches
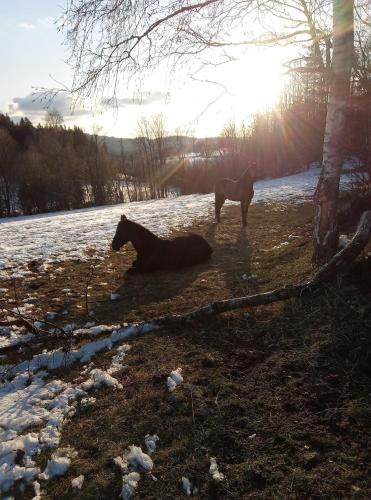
(283, 404)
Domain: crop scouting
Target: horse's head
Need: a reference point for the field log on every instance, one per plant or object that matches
(122, 234)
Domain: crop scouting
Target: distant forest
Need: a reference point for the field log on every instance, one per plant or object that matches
(50, 167)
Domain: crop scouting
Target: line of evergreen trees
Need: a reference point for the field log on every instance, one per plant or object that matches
(51, 167)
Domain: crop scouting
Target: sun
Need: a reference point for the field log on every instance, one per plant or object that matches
(233, 91)
(255, 84)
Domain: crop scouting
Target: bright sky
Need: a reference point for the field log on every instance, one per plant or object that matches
(32, 56)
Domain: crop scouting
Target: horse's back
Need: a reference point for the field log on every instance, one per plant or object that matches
(189, 249)
(221, 184)
(192, 240)
(239, 190)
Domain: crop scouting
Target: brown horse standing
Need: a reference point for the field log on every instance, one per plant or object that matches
(239, 190)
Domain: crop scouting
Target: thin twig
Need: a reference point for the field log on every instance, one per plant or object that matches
(193, 409)
(87, 284)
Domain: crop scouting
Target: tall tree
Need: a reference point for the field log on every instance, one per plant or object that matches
(7, 164)
(54, 119)
(326, 231)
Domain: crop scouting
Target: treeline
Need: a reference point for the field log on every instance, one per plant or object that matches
(50, 167)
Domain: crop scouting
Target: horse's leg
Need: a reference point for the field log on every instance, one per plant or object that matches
(244, 208)
(147, 264)
(137, 264)
(139, 268)
(133, 270)
(219, 201)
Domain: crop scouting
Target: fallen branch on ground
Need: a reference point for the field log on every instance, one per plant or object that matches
(21, 319)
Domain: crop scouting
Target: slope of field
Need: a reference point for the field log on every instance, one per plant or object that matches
(55, 237)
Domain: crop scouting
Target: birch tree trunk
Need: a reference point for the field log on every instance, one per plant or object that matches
(326, 232)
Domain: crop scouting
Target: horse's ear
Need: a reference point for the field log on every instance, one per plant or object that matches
(123, 217)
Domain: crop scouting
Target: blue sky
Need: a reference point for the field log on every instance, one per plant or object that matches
(32, 54)
(31, 48)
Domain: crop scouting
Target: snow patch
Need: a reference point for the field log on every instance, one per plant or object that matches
(77, 482)
(174, 380)
(280, 245)
(137, 458)
(10, 338)
(57, 466)
(214, 471)
(130, 484)
(187, 486)
(114, 297)
(133, 458)
(116, 363)
(99, 378)
(37, 489)
(150, 442)
(58, 358)
(28, 400)
(10, 473)
(92, 331)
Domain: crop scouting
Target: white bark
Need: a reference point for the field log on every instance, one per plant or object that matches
(326, 233)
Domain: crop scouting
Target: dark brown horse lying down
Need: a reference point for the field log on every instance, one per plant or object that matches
(156, 253)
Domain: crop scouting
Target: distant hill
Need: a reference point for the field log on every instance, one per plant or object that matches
(181, 144)
(114, 145)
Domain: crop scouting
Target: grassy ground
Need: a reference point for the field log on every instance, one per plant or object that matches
(282, 401)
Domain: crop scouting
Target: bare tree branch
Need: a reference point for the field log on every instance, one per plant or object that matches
(113, 41)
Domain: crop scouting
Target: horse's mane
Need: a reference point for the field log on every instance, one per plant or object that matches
(140, 229)
(246, 174)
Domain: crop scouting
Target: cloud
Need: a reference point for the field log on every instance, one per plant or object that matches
(36, 105)
(43, 22)
(144, 99)
(46, 22)
(26, 26)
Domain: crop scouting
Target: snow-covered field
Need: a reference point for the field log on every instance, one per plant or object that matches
(58, 236)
